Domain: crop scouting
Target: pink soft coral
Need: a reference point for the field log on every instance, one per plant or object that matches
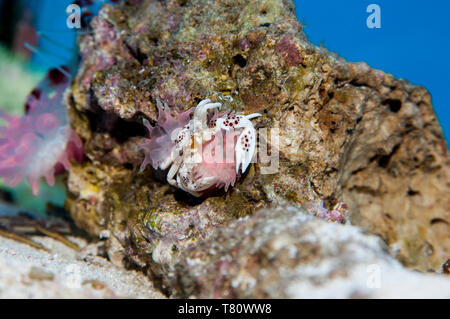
(40, 143)
(162, 137)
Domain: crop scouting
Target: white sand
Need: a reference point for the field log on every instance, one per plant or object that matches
(26, 272)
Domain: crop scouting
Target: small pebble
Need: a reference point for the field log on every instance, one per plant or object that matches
(37, 273)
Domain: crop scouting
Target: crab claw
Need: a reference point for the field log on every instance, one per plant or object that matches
(246, 143)
(201, 111)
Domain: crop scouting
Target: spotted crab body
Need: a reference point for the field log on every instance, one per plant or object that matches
(208, 152)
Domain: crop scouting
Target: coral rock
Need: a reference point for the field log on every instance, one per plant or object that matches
(284, 253)
(347, 133)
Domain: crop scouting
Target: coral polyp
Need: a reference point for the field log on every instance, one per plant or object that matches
(205, 153)
(40, 143)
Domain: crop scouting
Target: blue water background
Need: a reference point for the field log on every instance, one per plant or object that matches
(413, 42)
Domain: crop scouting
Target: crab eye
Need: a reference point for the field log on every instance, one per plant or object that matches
(46, 123)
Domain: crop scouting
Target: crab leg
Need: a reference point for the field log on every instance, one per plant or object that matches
(172, 172)
(252, 116)
(201, 112)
